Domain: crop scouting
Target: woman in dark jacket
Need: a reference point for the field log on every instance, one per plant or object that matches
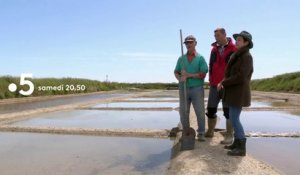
(237, 89)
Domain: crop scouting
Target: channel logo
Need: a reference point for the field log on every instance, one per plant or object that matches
(23, 81)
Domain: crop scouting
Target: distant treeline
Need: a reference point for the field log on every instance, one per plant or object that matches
(289, 82)
(60, 86)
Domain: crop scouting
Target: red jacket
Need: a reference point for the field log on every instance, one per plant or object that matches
(218, 62)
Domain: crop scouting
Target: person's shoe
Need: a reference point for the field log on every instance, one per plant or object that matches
(229, 133)
(209, 134)
(232, 146)
(211, 123)
(201, 137)
(227, 140)
(240, 149)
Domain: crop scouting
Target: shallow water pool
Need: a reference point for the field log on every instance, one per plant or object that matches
(138, 105)
(105, 119)
(282, 153)
(154, 99)
(28, 153)
(266, 121)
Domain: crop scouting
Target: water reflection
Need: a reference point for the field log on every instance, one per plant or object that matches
(77, 155)
(138, 104)
(18, 107)
(153, 161)
(153, 99)
(266, 121)
(105, 119)
(282, 153)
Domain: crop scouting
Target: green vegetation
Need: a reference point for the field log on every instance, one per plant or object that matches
(289, 82)
(46, 86)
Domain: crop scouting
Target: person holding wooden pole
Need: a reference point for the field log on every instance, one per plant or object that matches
(190, 71)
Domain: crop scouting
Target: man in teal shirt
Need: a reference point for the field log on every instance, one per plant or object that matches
(191, 69)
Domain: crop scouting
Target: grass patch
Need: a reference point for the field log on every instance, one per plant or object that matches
(89, 86)
(289, 82)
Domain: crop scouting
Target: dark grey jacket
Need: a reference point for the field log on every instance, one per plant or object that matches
(237, 79)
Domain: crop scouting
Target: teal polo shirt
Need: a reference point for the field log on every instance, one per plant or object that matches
(197, 65)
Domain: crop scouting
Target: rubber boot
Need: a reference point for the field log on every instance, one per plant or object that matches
(229, 133)
(240, 149)
(232, 146)
(211, 122)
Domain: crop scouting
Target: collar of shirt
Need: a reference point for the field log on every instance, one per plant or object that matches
(219, 45)
(222, 47)
(190, 56)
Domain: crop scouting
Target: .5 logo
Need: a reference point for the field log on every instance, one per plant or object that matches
(13, 87)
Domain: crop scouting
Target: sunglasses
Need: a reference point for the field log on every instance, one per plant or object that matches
(189, 42)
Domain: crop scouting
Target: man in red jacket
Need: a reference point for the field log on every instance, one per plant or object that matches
(219, 57)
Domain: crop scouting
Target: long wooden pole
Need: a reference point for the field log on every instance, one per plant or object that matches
(184, 83)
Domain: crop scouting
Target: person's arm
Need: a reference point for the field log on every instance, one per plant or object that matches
(203, 69)
(220, 86)
(212, 59)
(202, 72)
(177, 71)
(199, 75)
(177, 75)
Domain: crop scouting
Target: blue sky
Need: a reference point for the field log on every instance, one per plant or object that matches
(138, 40)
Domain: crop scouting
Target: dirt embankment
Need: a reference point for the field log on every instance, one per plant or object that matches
(210, 157)
(293, 99)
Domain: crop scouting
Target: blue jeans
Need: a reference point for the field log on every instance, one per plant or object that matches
(195, 95)
(234, 116)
